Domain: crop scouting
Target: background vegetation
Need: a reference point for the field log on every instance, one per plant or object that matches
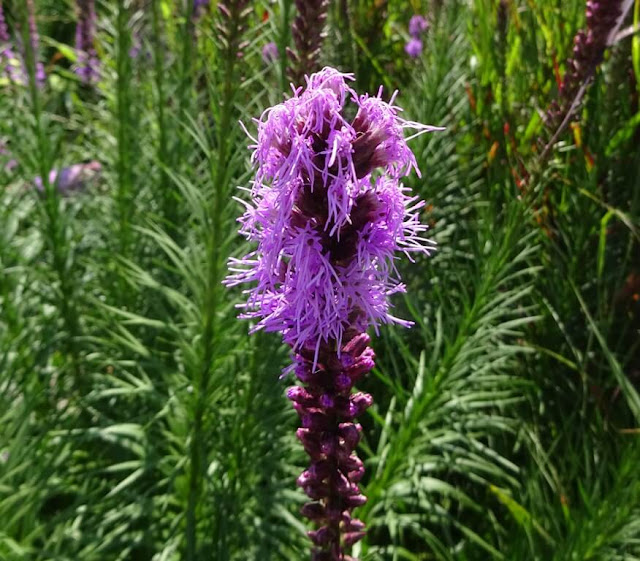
(139, 421)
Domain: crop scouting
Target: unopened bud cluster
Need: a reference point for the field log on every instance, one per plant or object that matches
(588, 52)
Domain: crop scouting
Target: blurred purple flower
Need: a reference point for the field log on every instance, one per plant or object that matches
(6, 161)
(417, 26)
(199, 6)
(413, 48)
(9, 64)
(270, 53)
(41, 76)
(4, 31)
(72, 178)
(88, 68)
(136, 45)
(329, 215)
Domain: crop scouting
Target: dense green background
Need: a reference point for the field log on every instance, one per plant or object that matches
(139, 421)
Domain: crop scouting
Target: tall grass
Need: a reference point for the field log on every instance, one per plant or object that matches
(139, 420)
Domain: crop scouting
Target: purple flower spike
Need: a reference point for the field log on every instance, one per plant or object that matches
(71, 179)
(88, 64)
(603, 18)
(270, 53)
(35, 42)
(413, 47)
(9, 65)
(329, 215)
(4, 31)
(7, 163)
(199, 7)
(417, 26)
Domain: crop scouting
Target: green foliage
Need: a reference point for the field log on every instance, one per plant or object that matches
(140, 421)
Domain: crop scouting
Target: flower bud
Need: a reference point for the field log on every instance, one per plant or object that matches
(343, 382)
(352, 463)
(314, 511)
(357, 345)
(358, 404)
(356, 475)
(355, 500)
(328, 444)
(354, 525)
(299, 395)
(352, 537)
(320, 469)
(310, 442)
(321, 536)
(351, 434)
(327, 401)
(315, 420)
(316, 491)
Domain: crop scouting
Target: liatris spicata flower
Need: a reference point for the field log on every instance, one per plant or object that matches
(308, 34)
(417, 26)
(88, 64)
(233, 25)
(7, 163)
(199, 7)
(4, 31)
(329, 214)
(588, 53)
(72, 178)
(35, 42)
(413, 47)
(270, 53)
(9, 65)
(136, 45)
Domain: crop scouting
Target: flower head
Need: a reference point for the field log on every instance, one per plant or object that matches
(35, 41)
(9, 64)
(199, 7)
(417, 26)
(88, 63)
(413, 47)
(328, 213)
(72, 178)
(270, 52)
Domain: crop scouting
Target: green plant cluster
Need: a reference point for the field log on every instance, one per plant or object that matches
(139, 420)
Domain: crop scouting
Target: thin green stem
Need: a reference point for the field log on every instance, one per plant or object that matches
(197, 452)
(124, 164)
(168, 199)
(283, 42)
(54, 229)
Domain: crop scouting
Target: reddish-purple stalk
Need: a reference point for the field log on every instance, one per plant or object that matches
(35, 43)
(329, 434)
(308, 34)
(88, 64)
(588, 52)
